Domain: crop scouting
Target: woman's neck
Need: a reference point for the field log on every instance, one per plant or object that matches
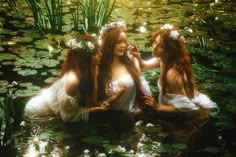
(116, 61)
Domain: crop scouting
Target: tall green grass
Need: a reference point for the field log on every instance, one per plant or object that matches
(47, 14)
(95, 13)
(89, 15)
(6, 119)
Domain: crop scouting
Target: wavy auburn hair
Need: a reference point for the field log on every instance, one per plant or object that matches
(177, 57)
(109, 41)
(79, 61)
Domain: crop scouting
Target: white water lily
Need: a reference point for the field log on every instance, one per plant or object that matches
(167, 26)
(174, 34)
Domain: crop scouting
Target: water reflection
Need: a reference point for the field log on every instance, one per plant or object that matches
(116, 137)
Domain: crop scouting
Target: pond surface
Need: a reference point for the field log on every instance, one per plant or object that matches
(32, 59)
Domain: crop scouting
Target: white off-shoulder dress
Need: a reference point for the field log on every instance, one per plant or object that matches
(184, 104)
(126, 102)
(54, 101)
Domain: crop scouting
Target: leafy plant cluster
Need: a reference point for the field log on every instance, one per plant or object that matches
(91, 14)
(6, 120)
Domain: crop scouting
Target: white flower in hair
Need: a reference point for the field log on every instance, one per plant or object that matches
(174, 34)
(90, 45)
(112, 25)
(71, 42)
(182, 38)
(167, 26)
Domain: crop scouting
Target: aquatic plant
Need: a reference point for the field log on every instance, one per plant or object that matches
(12, 5)
(95, 13)
(6, 120)
(47, 14)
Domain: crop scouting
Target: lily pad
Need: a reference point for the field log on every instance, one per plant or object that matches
(4, 31)
(26, 84)
(50, 62)
(25, 93)
(32, 33)
(43, 44)
(25, 39)
(3, 89)
(96, 140)
(27, 72)
(49, 80)
(7, 56)
(7, 63)
(3, 83)
(54, 72)
(180, 146)
(1, 49)
(34, 88)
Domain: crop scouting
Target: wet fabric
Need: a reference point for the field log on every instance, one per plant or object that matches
(54, 101)
(183, 103)
(126, 101)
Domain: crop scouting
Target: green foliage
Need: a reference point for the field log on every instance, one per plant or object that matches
(6, 120)
(210, 59)
(95, 140)
(95, 13)
(151, 76)
(47, 14)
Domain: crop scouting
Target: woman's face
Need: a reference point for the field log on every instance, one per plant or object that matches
(120, 44)
(96, 58)
(157, 47)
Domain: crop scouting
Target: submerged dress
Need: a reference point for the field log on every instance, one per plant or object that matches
(184, 104)
(126, 102)
(54, 101)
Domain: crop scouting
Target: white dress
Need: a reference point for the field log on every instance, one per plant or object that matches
(126, 101)
(184, 104)
(54, 101)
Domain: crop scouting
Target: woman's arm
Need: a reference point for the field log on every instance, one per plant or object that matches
(143, 64)
(146, 64)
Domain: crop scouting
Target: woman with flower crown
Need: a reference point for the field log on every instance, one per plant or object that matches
(177, 91)
(74, 94)
(119, 68)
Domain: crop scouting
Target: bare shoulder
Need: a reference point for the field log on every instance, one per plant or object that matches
(175, 82)
(71, 83)
(72, 78)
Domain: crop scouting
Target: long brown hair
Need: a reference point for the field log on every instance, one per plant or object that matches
(79, 61)
(177, 57)
(109, 41)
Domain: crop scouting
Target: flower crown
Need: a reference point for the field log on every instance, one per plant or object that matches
(112, 25)
(82, 44)
(174, 34)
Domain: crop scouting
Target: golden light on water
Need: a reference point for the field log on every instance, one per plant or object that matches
(142, 29)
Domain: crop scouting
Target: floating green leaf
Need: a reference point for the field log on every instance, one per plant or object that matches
(180, 146)
(27, 72)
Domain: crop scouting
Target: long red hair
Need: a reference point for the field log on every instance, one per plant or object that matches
(79, 61)
(109, 41)
(177, 57)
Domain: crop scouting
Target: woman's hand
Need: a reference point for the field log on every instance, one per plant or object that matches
(133, 50)
(119, 90)
(150, 101)
(101, 106)
(121, 87)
